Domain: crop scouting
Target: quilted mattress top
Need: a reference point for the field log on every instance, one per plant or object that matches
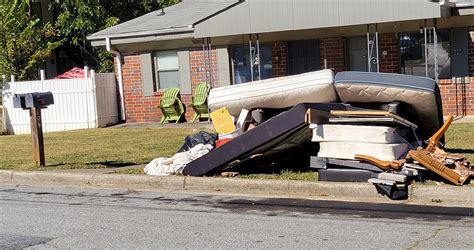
(420, 95)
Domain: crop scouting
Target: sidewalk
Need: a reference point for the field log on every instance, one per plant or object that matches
(438, 195)
(464, 119)
(191, 125)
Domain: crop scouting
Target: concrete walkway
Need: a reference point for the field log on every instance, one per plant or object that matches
(190, 125)
(464, 119)
(437, 195)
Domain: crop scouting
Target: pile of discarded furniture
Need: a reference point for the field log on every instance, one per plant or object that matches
(386, 129)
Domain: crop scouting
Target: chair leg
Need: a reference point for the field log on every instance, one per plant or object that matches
(163, 118)
(178, 118)
(196, 116)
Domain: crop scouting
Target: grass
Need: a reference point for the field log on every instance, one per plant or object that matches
(130, 171)
(93, 148)
(460, 140)
(285, 175)
(115, 147)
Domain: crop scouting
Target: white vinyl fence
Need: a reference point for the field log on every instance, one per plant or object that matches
(78, 104)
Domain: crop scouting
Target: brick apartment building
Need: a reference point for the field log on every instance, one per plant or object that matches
(226, 42)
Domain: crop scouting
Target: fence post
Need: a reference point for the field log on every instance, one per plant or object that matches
(42, 75)
(94, 99)
(4, 122)
(12, 78)
(86, 72)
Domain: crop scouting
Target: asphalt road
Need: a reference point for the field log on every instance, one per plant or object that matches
(40, 217)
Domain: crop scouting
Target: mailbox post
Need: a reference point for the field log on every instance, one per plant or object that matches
(34, 102)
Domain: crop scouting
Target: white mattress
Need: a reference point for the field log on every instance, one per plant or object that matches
(355, 133)
(283, 92)
(347, 150)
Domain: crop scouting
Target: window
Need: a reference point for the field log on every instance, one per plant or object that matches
(413, 58)
(242, 63)
(166, 69)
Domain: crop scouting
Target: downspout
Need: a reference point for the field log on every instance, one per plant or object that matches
(120, 78)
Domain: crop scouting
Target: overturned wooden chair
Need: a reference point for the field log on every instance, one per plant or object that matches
(199, 101)
(171, 106)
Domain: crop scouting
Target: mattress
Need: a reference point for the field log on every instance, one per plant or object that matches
(283, 92)
(355, 133)
(420, 95)
(286, 131)
(347, 150)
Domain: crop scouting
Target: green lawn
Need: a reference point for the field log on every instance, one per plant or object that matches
(93, 148)
(113, 147)
(460, 140)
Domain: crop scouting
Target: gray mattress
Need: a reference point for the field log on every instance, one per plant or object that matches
(419, 95)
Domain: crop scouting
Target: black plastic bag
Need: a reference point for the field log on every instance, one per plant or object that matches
(202, 137)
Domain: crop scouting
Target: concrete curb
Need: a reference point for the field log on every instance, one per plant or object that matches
(452, 195)
(443, 195)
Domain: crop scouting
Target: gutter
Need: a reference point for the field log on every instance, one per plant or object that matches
(168, 31)
(120, 76)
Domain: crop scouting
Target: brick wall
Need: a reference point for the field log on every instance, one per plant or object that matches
(453, 97)
(332, 49)
(197, 60)
(389, 63)
(279, 59)
(140, 108)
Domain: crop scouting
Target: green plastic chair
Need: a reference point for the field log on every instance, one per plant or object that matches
(199, 101)
(171, 106)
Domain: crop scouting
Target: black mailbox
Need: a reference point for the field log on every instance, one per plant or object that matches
(33, 100)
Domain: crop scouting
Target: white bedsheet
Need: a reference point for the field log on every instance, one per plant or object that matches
(174, 165)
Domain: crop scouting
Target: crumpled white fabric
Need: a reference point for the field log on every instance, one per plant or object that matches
(175, 165)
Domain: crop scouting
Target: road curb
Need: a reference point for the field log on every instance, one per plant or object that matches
(6, 176)
(138, 181)
(236, 185)
(443, 195)
(453, 195)
(38, 177)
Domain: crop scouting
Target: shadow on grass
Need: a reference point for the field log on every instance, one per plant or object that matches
(106, 164)
(460, 151)
(113, 164)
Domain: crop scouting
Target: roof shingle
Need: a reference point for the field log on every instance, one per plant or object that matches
(179, 17)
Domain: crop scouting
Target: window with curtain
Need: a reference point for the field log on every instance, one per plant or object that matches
(166, 69)
(413, 58)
